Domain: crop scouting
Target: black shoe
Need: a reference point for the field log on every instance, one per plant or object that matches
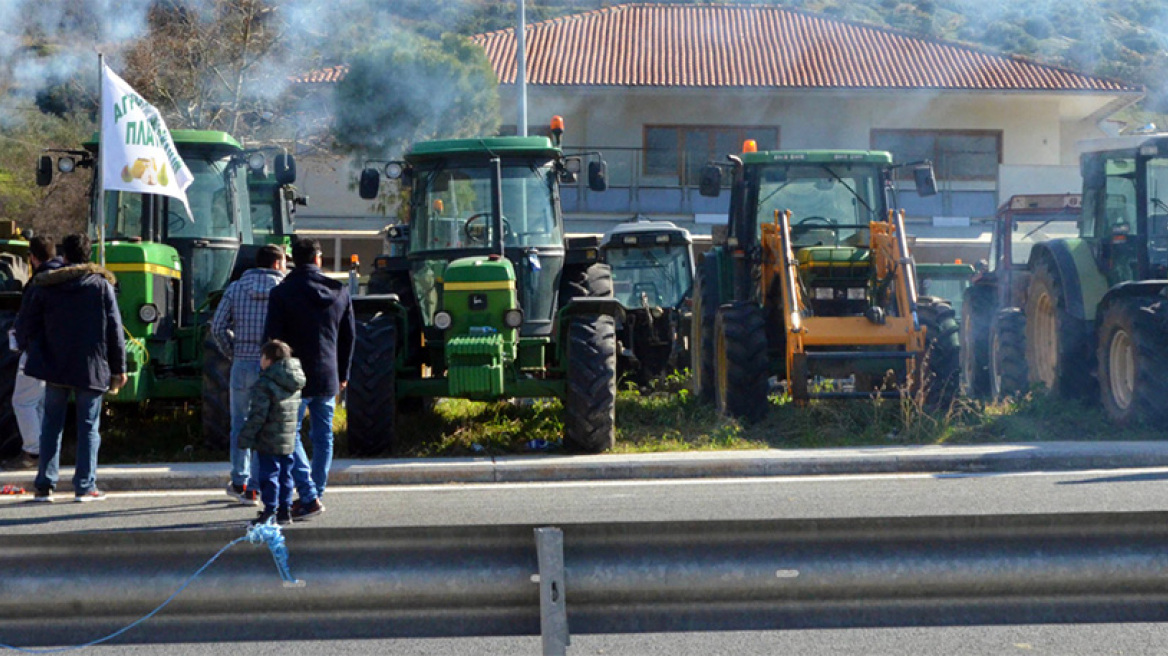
(25, 460)
(264, 517)
(283, 516)
(302, 511)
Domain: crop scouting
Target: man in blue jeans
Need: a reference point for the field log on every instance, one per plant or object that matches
(72, 331)
(313, 314)
(238, 329)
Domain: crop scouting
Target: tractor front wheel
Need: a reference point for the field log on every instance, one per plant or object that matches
(590, 398)
(977, 313)
(216, 395)
(701, 342)
(1008, 370)
(371, 397)
(942, 349)
(1132, 359)
(740, 361)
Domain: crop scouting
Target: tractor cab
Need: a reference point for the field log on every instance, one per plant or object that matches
(652, 263)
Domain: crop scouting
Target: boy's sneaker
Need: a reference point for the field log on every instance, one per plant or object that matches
(263, 517)
(302, 511)
(92, 495)
(283, 516)
(236, 491)
(43, 496)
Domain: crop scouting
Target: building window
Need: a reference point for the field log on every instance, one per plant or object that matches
(680, 151)
(956, 154)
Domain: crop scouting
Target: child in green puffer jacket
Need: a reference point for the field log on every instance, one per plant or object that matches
(270, 428)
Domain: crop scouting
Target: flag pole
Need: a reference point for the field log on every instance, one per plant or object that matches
(99, 171)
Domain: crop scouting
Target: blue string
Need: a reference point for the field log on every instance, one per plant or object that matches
(268, 533)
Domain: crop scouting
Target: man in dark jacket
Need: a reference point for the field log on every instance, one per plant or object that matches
(28, 393)
(72, 330)
(313, 314)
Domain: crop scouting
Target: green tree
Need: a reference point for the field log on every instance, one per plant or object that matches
(411, 88)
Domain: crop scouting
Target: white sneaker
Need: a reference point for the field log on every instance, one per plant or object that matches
(92, 495)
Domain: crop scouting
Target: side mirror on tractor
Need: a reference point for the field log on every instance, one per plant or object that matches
(710, 183)
(598, 175)
(369, 184)
(285, 166)
(926, 181)
(44, 172)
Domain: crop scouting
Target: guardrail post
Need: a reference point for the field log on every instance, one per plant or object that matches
(553, 607)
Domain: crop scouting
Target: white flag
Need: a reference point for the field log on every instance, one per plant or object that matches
(137, 153)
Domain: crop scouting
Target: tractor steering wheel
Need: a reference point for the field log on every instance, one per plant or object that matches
(815, 220)
(486, 217)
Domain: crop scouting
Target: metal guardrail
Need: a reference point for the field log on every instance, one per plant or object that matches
(460, 581)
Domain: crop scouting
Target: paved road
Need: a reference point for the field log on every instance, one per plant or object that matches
(874, 495)
(1025, 640)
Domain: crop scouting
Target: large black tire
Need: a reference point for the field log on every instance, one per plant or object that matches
(977, 313)
(1059, 347)
(10, 440)
(371, 397)
(1008, 370)
(590, 398)
(740, 361)
(1133, 359)
(216, 395)
(701, 344)
(942, 366)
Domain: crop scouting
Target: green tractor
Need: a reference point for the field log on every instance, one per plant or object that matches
(171, 270)
(652, 272)
(488, 300)
(1098, 303)
(812, 284)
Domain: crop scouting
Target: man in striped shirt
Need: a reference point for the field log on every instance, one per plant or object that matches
(238, 329)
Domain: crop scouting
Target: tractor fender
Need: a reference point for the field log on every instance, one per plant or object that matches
(1083, 284)
(365, 307)
(593, 306)
(1152, 290)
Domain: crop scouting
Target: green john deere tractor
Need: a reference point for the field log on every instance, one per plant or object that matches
(813, 284)
(171, 269)
(1098, 303)
(488, 300)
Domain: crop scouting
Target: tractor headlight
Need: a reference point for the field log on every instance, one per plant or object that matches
(513, 318)
(857, 293)
(443, 320)
(148, 313)
(824, 293)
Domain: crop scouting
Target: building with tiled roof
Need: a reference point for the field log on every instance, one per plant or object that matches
(663, 88)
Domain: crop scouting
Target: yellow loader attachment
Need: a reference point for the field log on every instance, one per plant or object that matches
(839, 343)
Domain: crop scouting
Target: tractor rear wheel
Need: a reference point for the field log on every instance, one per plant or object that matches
(371, 397)
(1133, 355)
(1058, 346)
(942, 349)
(216, 395)
(590, 397)
(977, 313)
(701, 343)
(10, 440)
(1008, 370)
(740, 361)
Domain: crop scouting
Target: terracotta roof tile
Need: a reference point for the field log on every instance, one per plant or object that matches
(659, 45)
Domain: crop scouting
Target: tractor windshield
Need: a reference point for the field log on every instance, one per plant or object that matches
(218, 205)
(830, 204)
(658, 274)
(452, 207)
(1158, 213)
